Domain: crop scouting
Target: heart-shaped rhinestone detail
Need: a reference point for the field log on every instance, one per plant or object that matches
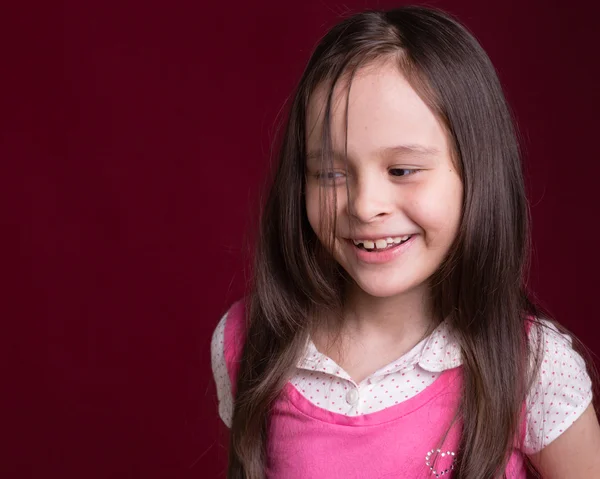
(443, 472)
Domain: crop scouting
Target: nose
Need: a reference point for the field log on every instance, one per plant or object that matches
(369, 200)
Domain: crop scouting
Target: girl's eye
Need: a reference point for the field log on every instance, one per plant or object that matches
(334, 177)
(329, 176)
(402, 172)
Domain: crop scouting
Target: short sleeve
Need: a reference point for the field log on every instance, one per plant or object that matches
(561, 391)
(220, 374)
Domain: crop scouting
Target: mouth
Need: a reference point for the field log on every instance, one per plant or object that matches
(379, 245)
(382, 250)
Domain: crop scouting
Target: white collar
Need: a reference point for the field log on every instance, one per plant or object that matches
(438, 352)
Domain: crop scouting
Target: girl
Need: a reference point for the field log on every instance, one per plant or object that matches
(388, 333)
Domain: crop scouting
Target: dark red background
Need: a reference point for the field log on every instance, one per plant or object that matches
(135, 137)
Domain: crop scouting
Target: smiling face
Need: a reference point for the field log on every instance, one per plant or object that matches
(399, 180)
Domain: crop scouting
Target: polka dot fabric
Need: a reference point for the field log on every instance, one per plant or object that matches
(327, 385)
(219, 369)
(560, 395)
(561, 392)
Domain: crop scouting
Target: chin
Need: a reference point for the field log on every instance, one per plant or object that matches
(383, 289)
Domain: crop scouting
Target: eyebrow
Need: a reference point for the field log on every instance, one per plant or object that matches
(398, 150)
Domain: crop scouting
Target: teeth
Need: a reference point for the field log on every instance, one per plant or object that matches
(381, 243)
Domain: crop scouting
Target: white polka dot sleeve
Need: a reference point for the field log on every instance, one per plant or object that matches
(219, 369)
(561, 391)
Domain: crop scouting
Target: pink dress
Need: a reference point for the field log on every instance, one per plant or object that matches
(306, 441)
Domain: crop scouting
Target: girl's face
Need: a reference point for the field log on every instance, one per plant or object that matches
(405, 195)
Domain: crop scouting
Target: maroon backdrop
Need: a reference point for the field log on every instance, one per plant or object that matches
(135, 137)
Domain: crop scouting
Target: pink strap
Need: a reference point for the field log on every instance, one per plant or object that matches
(234, 337)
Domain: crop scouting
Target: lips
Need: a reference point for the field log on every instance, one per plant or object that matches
(380, 255)
(380, 244)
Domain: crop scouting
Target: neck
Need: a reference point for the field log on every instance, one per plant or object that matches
(398, 317)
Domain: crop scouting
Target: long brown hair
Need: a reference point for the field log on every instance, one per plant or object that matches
(480, 287)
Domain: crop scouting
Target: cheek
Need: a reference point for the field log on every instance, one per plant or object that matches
(438, 209)
(317, 207)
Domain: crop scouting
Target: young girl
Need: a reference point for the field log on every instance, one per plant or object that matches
(388, 333)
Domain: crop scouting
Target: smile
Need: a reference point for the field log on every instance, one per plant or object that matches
(380, 251)
(380, 244)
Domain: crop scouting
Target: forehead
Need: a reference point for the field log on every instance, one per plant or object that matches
(383, 111)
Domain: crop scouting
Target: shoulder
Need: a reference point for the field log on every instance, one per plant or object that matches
(221, 354)
(561, 389)
(558, 357)
(231, 324)
(217, 345)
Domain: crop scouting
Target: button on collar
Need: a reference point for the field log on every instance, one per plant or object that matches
(352, 396)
